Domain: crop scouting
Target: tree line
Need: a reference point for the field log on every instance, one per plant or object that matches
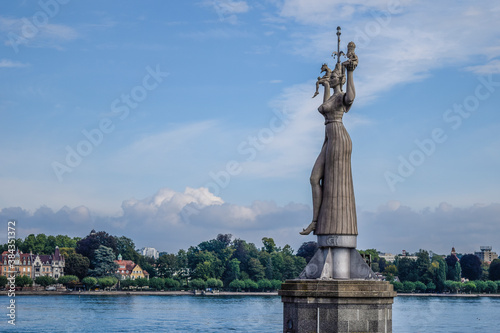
(222, 262)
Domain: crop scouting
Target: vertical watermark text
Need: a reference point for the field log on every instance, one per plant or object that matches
(11, 277)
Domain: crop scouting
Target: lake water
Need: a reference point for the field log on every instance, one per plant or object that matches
(227, 314)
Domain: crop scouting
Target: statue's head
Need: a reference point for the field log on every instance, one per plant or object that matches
(350, 47)
(337, 76)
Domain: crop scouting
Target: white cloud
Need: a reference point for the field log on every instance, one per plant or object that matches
(492, 67)
(6, 63)
(170, 220)
(399, 45)
(21, 31)
(395, 227)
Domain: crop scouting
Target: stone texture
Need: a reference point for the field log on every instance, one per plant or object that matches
(337, 306)
(324, 266)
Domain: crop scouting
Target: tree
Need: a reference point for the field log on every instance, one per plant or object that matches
(255, 269)
(23, 281)
(142, 282)
(398, 286)
(89, 282)
(422, 267)
(480, 286)
(3, 281)
(127, 283)
(420, 287)
(76, 264)
(469, 287)
(45, 280)
(453, 269)
(307, 250)
(494, 270)
(237, 285)
(167, 265)
(265, 284)
(107, 282)
(171, 284)
(214, 283)
(250, 285)
(438, 272)
(408, 287)
(276, 284)
(197, 284)
(103, 263)
(407, 270)
(269, 245)
(88, 245)
(68, 280)
(431, 287)
(491, 287)
(471, 267)
(232, 270)
(126, 247)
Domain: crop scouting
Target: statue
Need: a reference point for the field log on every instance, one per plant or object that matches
(334, 209)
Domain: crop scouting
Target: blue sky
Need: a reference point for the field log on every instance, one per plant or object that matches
(195, 118)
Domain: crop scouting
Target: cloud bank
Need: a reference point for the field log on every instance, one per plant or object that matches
(170, 220)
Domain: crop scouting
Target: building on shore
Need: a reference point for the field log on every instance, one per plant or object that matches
(150, 252)
(127, 269)
(29, 264)
(486, 255)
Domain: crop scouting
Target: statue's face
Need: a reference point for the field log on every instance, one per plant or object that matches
(334, 81)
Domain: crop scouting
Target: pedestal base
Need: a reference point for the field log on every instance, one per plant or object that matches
(337, 306)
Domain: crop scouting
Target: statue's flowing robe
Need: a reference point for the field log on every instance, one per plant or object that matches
(337, 215)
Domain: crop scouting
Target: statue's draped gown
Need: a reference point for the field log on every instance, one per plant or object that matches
(337, 215)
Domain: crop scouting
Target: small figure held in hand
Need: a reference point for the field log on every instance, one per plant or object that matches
(325, 80)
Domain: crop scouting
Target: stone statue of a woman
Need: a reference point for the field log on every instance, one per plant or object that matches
(334, 209)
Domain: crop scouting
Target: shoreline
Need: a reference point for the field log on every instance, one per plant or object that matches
(208, 294)
(136, 293)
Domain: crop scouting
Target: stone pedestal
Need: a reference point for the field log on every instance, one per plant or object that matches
(328, 306)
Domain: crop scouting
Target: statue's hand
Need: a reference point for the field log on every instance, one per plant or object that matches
(351, 66)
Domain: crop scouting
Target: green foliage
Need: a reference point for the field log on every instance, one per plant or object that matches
(76, 264)
(126, 247)
(398, 286)
(471, 267)
(491, 287)
(214, 283)
(251, 285)
(437, 271)
(103, 262)
(167, 265)
(89, 282)
(127, 283)
(307, 250)
(157, 283)
(265, 284)
(276, 284)
(407, 269)
(197, 284)
(3, 281)
(408, 287)
(468, 287)
(269, 245)
(171, 284)
(237, 285)
(90, 244)
(494, 270)
(142, 282)
(431, 287)
(480, 286)
(68, 280)
(420, 287)
(45, 280)
(23, 281)
(107, 282)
